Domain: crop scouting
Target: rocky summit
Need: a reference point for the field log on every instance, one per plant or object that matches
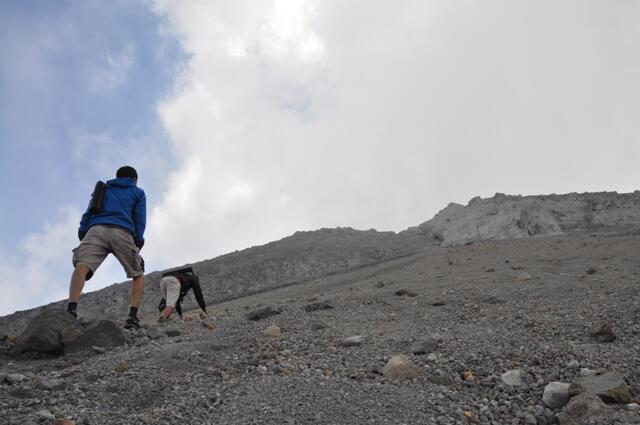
(471, 344)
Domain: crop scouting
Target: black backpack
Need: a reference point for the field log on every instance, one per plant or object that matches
(97, 197)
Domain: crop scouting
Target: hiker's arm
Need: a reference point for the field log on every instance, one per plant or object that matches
(140, 219)
(197, 292)
(84, 223)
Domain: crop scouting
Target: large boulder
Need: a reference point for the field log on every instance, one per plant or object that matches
(556, 394)
(581, 409)
(101, 333)
(48, 333)
(602, 332)
(610, 387)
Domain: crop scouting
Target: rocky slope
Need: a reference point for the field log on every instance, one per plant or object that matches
(486, 327)
(513, 217)
(297, 258)
(308, 255)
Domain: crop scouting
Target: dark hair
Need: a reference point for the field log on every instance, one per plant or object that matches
(127, 171)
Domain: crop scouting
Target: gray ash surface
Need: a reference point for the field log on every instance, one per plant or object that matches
(468, 304)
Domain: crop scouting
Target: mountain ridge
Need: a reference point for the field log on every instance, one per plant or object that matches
(308, 255)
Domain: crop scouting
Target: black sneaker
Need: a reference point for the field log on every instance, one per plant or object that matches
(73, 313)
(132, 323)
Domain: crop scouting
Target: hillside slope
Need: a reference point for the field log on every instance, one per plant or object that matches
(463, 303)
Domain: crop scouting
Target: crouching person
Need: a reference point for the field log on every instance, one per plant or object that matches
(174, 286)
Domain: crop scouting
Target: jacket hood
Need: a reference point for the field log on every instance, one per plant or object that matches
(122, 182)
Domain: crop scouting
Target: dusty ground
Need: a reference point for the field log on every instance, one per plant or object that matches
(485, 323)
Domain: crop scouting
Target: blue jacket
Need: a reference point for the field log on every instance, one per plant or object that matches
(125, 205)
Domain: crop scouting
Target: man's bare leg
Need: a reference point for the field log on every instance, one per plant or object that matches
(78, 278)
(137, 288)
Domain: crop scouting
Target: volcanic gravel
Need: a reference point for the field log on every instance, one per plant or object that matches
(463, 304)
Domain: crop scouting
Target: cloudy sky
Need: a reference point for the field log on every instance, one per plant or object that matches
(249, 120)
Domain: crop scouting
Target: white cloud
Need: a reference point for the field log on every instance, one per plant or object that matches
(302, 114)
(39, 270)
(294, 114)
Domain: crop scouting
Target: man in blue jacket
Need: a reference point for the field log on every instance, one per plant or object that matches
(117, 228)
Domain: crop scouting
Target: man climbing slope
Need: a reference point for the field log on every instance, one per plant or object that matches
(174, 286)
(113, 223)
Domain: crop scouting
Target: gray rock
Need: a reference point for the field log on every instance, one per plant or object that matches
(154, 333)
(51, 384)
(140, 342)
(513, 378)
(439, 377)
(263, 313)
(139, 333)
(530, 420)
(602, 332)
(45, 415)
(16, 378)
(171, 333)
(492, 299)
(405, 293)
(101, 333)
(581, 409)
(48, 332)
(352, 341)
(316, 326)
(424, 347)
(610, 387)
(556, 394)
(322, 305)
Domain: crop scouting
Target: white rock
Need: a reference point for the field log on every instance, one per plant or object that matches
(573, 364)
(353, 341)
(633, 407)
(556, 395)
(272, 331)
(400, 366)
(587, 372)
(513, 378)
(523, 277)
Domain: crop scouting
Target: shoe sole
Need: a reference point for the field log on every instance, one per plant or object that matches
(131, 326)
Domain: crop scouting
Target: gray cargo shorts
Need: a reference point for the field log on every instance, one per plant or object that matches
(102, 240)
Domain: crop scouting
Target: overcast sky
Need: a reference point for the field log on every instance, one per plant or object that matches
(249, 120)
